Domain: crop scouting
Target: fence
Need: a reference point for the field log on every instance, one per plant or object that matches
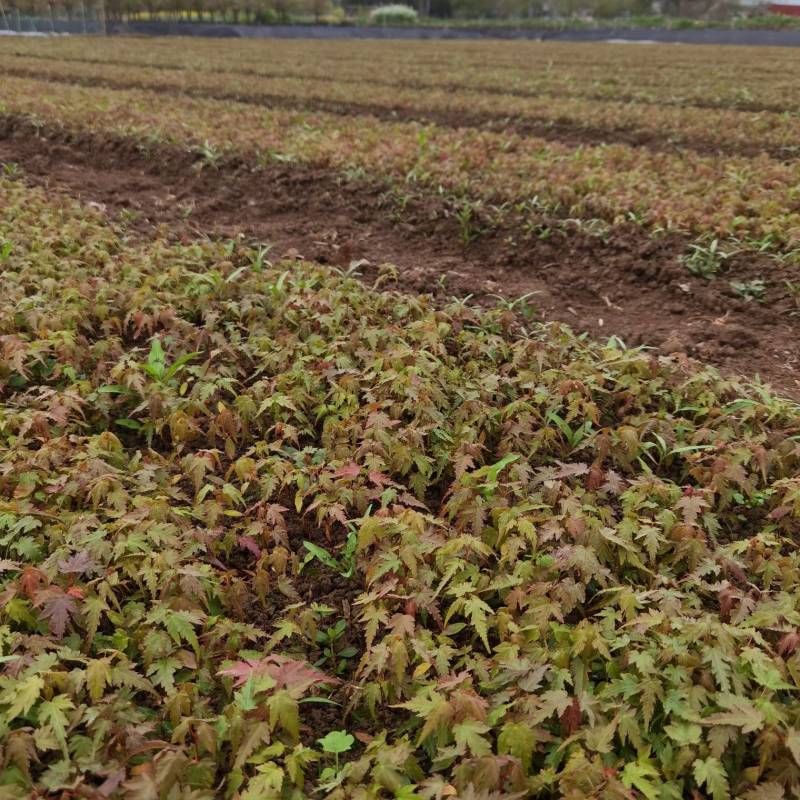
(80, 19)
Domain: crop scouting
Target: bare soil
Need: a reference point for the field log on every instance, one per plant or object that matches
(628, 283)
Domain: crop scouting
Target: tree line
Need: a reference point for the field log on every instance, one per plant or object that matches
(267, 11)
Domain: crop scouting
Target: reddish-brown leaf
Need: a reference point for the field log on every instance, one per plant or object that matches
(571, 717)
(380, 480)
(595, 478)
(727, 599)
(77, 564)
(249, 543)
(31, 579)
(287, 672)
(788, 643)
(57, 608)
(351, 470)
(569, 470)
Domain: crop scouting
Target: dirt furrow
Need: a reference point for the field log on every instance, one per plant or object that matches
(624, 283)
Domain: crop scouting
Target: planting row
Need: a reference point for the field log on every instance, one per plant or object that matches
(702, 77)
(751, 198)
(726, 131)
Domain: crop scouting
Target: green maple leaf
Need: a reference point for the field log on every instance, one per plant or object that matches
(518, 740)
(266, 783)
(180, 626)
(20, 696)
(638, 775)
(283, 710)
(764, 669)
(298, 761)
(52, 712)
(477, 612)
(720, 668)
(469, 736)
(711, 774)
(93, 608)
(245, 698)
(162, 673)
(740, 712)
(684, 733)
(123, 674)
(98, 676)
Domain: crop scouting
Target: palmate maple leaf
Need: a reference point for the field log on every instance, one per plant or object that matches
(57, 608)
(569, 470)
(78, 563)
(380, 480)
(250, 544)
(692, 504)
(31, 579)
(288, 673)
(351, 470)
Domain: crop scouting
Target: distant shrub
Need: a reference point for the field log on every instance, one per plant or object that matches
(393, 14)
(266, 16)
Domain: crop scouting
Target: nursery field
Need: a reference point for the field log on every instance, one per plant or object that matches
(647, 192)
(306, 489)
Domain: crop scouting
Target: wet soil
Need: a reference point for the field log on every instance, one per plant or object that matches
(625, 283)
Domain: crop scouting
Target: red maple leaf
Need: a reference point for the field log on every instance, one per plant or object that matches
(351, 470)
(241, 671)
(250, 544)
(292, 674)
(288, 673)
(380, 480)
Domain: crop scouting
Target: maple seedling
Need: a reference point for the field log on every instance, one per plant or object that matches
(335, 742)
(156, 364)
(486, 479)
(345, 565)
(329, 640)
